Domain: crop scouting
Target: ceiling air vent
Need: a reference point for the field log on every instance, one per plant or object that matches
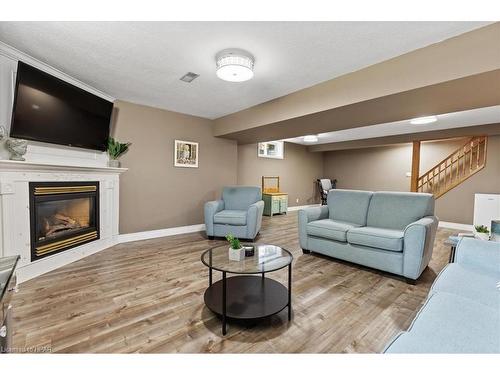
(189, 77)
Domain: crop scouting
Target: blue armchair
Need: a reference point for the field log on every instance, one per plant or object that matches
(239, 212)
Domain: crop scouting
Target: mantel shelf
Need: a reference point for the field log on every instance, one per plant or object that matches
(13, 165)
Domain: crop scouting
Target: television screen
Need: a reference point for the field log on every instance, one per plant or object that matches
(47, 109)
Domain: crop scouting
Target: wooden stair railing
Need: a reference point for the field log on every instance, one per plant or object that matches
(455, 169)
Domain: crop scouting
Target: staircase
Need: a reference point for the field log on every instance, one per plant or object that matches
(455, 169)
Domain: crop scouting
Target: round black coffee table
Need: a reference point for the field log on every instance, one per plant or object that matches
(248, 296)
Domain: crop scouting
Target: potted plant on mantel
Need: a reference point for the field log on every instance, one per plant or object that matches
(115, 150)
(236, 251)
(482, 232)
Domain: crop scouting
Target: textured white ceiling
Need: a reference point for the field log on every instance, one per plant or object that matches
(473, 117)
(142, 62)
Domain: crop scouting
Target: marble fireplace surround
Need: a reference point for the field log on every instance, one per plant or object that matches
(15, 215)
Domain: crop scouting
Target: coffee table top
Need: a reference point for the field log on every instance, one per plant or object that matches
(266, 258)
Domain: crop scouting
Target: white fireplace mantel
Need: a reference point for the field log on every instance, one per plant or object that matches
(15, 211)
(13, 165)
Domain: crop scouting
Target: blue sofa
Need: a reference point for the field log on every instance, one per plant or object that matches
(239, 212)
(389, 231)
(462, 311)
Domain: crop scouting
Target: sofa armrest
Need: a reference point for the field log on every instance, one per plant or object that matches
(307, 215)
(211, 208)
(313, 213)
(418, 245)
(479, 253)
(254, 218)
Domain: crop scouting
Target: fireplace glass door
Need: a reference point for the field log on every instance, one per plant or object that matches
(63, 215)
(58, 218)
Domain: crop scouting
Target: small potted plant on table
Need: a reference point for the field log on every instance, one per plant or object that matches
(482, 232)
(236, 251)
(115, 150)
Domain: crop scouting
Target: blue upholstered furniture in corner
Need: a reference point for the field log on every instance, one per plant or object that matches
(239, 212)
(462, 311)
(389, 231)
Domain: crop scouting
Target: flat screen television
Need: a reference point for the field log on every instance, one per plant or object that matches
(48, 109)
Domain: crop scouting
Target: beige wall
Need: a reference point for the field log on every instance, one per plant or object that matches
(153, 193)
(298, 171)
(384, 168)
(368, 169)
(432, 153)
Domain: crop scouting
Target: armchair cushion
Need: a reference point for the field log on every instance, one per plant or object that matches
(387, 239)
(240, 197)
(331, 229)
(232, 217)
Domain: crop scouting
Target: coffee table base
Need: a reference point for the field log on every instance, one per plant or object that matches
(247, 297)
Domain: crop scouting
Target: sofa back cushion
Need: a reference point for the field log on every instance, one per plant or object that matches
(349, 205)
(240, 197)
(395, 210)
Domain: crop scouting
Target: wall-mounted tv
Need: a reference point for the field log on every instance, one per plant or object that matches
(48, 109)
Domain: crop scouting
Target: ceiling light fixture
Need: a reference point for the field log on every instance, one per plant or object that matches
(310, 138)
(234, 65)
(423, 120)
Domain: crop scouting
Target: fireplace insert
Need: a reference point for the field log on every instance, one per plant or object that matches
(63, 215)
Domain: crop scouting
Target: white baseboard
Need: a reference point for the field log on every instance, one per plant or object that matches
(458, 226)
(296, 208)
(138, 236)
(146, 235)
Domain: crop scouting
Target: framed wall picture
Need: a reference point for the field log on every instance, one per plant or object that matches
(273, 150)
(186, 154)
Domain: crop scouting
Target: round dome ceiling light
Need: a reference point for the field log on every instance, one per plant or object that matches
(234, 65)
(310, 138)
(423, 120)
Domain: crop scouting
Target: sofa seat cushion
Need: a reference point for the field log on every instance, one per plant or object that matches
(331, 229)
(467, 282)
(451, 324)
(232, 217)
(381, 238)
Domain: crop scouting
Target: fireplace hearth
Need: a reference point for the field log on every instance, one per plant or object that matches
(63, 215)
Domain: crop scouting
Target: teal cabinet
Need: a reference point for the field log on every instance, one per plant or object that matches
(275, 203)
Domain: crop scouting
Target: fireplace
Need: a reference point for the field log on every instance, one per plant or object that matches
(63, 215)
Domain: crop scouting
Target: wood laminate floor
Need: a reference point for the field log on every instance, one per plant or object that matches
(147, 296)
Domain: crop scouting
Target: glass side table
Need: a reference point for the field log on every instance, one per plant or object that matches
(452, 241)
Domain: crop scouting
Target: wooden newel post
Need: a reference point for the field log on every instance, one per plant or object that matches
(415, 166)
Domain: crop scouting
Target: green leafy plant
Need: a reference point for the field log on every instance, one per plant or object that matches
(482, 229)
(235, 243)
(116, 149)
